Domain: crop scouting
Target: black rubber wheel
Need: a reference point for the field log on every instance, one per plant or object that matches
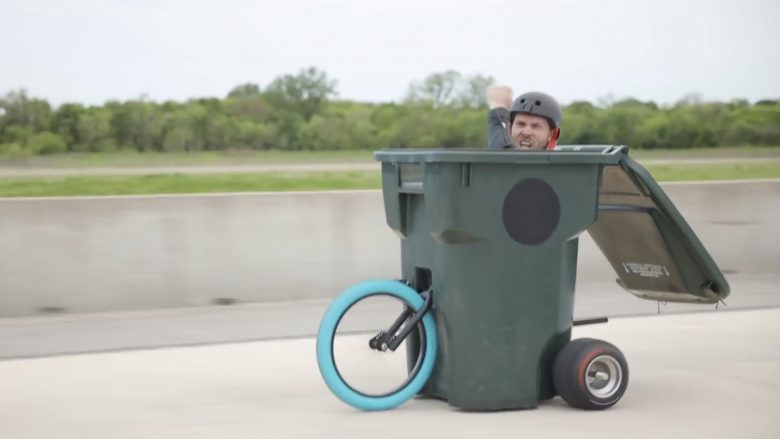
(590, 374)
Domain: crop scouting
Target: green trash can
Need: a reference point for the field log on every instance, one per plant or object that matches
(495, 235)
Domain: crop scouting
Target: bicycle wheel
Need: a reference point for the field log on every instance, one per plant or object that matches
(334, 376)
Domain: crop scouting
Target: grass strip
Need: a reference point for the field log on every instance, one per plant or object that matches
(305, 181)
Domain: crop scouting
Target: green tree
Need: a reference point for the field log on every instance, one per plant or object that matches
(325, 132)
(624, 117)
(17, 134)
(221, 132)
(137, 125)
(187, 128)
(450, 89)
(14, 150)
(247, 90)
(19, 109)
(582, 124)
(305, 93)
(46, 143)
(358, 123)
(65, 121)
(297, 111)
(257, 136)
(440, 89)
(94, 131)
(255, 108)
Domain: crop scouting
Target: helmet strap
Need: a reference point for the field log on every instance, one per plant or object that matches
(553, 138)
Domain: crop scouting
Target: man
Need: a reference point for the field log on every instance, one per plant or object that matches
(531, 122)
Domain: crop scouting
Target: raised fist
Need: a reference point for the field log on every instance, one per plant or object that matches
(499, 96)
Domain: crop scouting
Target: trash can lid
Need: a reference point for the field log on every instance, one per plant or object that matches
(655, 253)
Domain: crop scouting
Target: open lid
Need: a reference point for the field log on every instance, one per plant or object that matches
(654, 251)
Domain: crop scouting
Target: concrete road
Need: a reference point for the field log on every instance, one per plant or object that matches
(711, 375)
(43, 336)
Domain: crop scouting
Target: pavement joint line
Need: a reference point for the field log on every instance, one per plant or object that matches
(310, 336)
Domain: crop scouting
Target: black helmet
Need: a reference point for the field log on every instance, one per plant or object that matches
(539, 104)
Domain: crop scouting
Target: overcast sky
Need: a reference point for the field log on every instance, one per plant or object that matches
(91, 51)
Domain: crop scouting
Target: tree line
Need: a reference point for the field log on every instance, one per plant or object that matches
(302, 112)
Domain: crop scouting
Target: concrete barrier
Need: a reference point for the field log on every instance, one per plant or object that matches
(87, 254)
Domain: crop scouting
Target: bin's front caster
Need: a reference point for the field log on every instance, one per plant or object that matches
(590, 374)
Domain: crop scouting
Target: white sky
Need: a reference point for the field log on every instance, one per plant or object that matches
(91, 51)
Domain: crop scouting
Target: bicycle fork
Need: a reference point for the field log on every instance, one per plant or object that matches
(405, 322)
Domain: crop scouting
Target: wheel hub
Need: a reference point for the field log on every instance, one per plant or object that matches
(603, 376)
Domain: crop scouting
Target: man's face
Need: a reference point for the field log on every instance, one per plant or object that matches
(530, 132)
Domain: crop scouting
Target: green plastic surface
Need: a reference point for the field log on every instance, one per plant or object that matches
(504, 298)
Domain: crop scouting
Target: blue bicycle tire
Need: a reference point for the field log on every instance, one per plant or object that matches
(327, 330)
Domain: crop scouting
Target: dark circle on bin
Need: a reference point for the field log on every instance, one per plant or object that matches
(531, 211)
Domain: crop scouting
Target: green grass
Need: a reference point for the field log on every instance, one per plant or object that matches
(201, 158)
(720, 152)
(187, 183)
(720, 171)
(304, 181)
(226, 158)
